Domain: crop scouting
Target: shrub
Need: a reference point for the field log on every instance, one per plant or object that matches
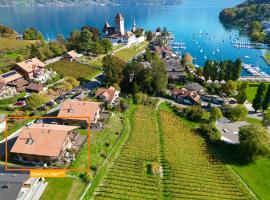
(215, 114)
(193, 113)
(266, 118)
(237, 113)
(254, 142)
(210, 132)
(141, 98)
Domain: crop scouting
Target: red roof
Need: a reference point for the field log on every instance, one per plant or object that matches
(108, 94)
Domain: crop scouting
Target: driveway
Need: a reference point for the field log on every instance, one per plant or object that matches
(251, 112)
(230, 130)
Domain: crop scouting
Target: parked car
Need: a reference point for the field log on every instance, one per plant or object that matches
(27, 95)
(50, 103)
(20, 103)
(41, 108)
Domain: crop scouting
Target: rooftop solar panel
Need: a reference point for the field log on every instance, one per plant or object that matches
(9, 74)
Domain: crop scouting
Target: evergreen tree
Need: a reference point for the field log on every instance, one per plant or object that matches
(266, 101)
(236, 70)
(207, 69)
(242, 93)
(259, 97)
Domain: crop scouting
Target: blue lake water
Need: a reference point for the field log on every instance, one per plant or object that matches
(185, 21)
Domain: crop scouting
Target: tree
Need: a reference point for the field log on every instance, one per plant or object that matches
(95, 32)
(254, 142)
(97, 48)
(193, 113)
(159, 75)
(237, 113)
(149, 36)
(60, 38)
(242, 93)
(215, 114)
(73, 40)
(113, 69)
(210, 132)
(187, 59)
(236, 69)
(266, 118)
(148, 54)
(86, 44)
(35, 101)
(106, 44)
(74, 82)
(32, 34)
(199, 72)
(255, 26)
(266, 101)
(259, 97)
(229, 88)
(207, 69)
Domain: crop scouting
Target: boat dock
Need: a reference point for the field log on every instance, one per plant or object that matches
(254, 71)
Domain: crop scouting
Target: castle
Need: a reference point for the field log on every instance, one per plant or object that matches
(118, 35)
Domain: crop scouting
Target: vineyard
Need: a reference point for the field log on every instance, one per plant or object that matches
(191, 171)
(164, 159)
(131, 177)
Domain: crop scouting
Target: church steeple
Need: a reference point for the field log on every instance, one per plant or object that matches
(134, 26)
(119, 24)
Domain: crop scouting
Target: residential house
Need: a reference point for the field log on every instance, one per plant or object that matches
(195, 87)
(109, 95)
(11, 77)
(185, 96)
(20, 186)
(19, 84)
(71, 55)
(2, 123)
(6, 91)
(44, 143)
(34, 87)
(78, 112)
(164, 52)
(175, 71)
(30, 69)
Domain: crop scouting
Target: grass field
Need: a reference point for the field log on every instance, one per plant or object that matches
(251, 91)
(74, 69)
(128, 177)
(14, 44)
(63, 189)
(128, 53)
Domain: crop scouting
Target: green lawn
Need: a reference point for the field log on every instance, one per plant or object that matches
(254, 121)
(14, 44)
(257, 176)
(251, 91)
(128, 53)
(74, 69)
(63, 189)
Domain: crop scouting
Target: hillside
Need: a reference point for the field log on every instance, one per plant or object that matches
(7, 3)
(251, 14)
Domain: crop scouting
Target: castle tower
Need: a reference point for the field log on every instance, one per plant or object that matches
(119, 24)
(134, 26)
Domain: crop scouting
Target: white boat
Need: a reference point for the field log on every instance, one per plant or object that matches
(247, 57)
(201, 50)
(205, 57)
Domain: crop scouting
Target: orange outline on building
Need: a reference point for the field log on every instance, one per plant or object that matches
(50, 169)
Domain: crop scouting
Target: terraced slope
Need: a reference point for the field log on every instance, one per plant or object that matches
(191, 171)
(128, 178)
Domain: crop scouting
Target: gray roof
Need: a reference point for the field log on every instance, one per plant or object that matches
(194, 87)
(10, 185)
(173, 65)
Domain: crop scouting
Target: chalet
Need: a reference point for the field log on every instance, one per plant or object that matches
(20, 186)
(34, 87)
(184, 96)
(30, 69)
(34, 143)
(71, 55)
(11, 77)
(109, 95)
(78, 112)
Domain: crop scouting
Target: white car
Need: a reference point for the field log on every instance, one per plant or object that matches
(27, 95)
(225, 130)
